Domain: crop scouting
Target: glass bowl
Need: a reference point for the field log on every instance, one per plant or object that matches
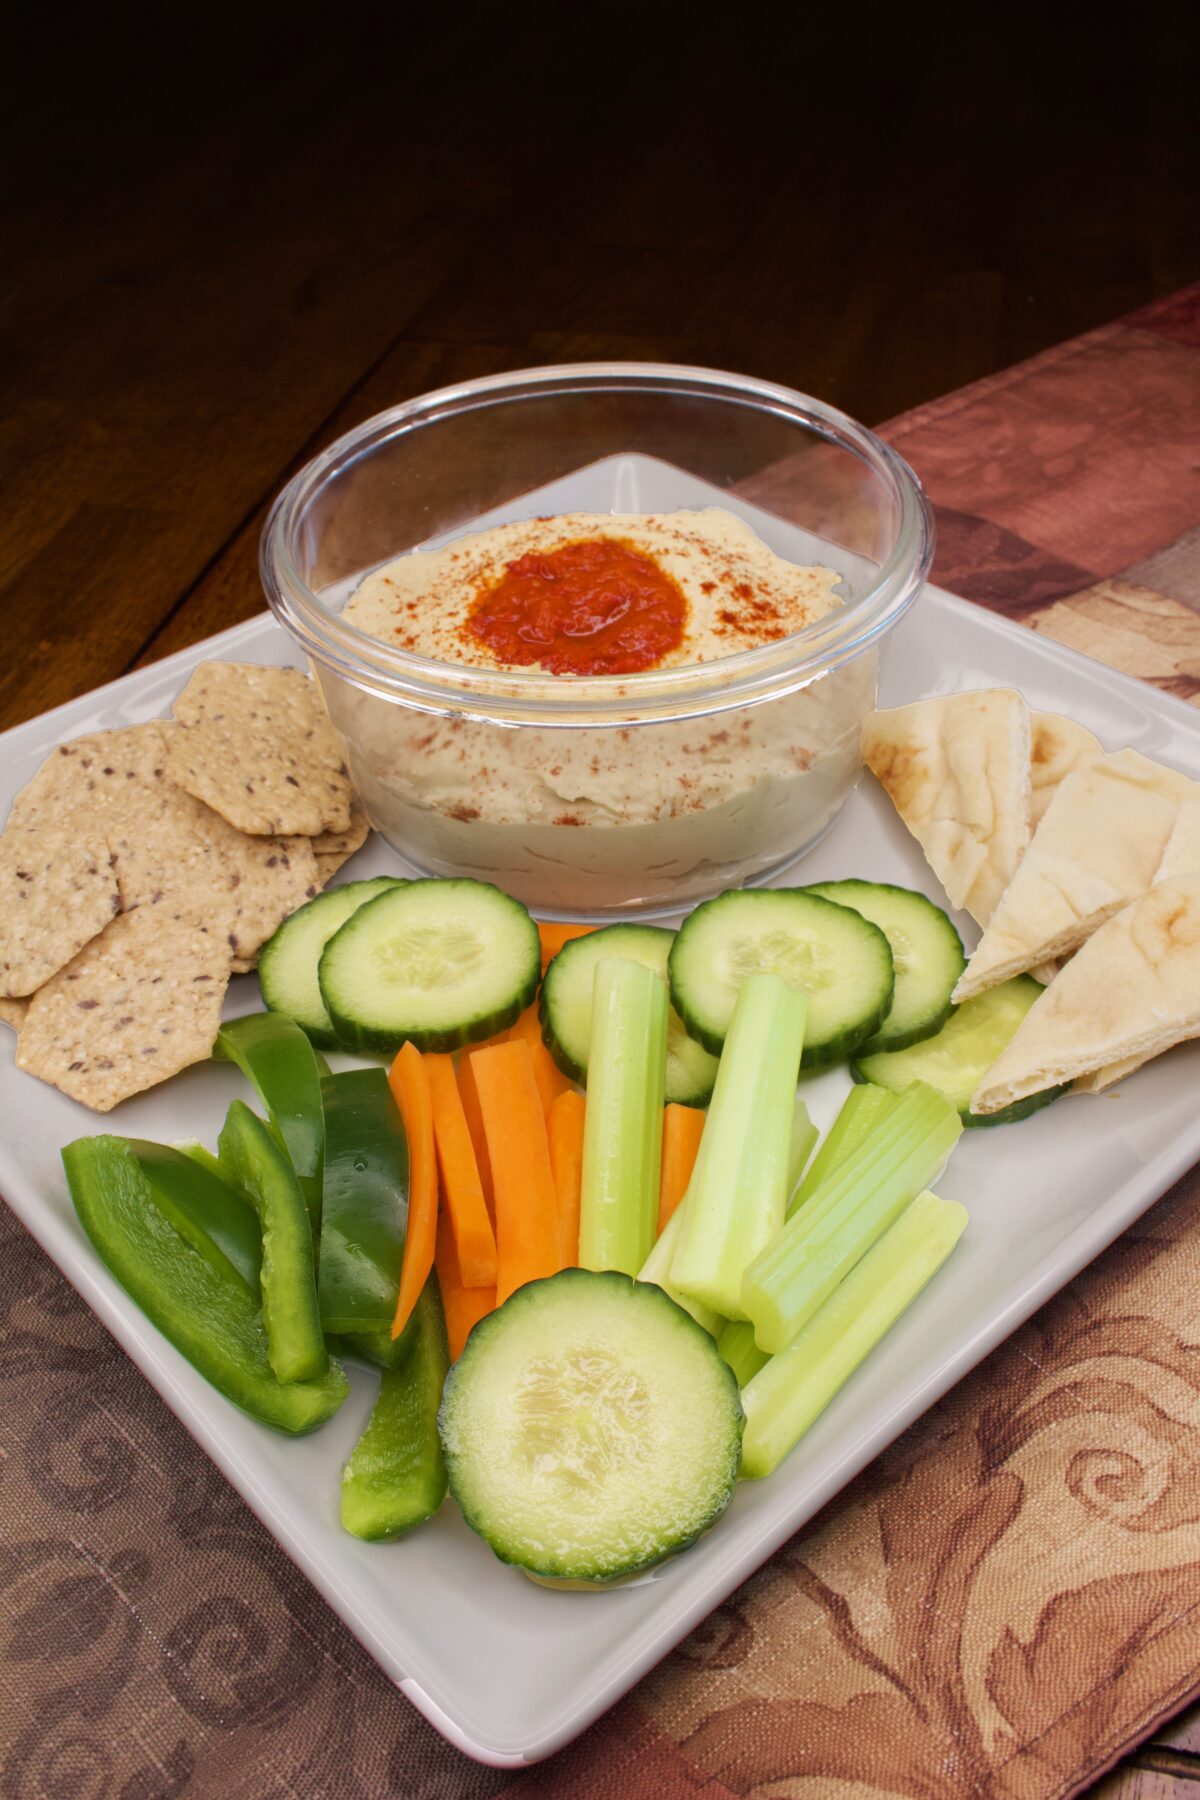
(595, 796)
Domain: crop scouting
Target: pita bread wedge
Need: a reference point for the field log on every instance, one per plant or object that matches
(957, 771)
(1181, 857)
(1058, 745)
(1133, 990)
(1097, 848)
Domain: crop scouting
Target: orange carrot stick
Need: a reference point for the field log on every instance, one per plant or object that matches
(410, 1085)
(462, 1190)
(564, 1128)
(523, 1181)
(551, 1081)
(682, 1126)
(554, 936)
(468, 1093)
(463, 1306)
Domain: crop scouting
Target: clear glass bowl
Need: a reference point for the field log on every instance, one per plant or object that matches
(602, 795)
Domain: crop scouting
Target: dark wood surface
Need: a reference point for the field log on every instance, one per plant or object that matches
(226, 244)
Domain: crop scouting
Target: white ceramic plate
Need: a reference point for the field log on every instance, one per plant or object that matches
(508, 1671)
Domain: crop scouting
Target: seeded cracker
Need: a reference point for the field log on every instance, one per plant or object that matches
(259, 749)
(57, 890)
(139, 1003)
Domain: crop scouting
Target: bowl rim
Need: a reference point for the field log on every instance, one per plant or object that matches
(515, 697)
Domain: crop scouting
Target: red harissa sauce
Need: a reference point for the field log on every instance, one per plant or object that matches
(592, 607)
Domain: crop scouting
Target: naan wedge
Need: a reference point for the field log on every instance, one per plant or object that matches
(1058, 745)
(1181, 857)
(957, 771)
(1133, 990)
(1097, 848)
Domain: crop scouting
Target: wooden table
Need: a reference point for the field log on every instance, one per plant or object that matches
(224, 257)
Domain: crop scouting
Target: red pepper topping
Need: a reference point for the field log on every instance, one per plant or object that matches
(593, 607)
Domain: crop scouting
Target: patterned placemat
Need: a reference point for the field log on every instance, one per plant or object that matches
(1004, 1603)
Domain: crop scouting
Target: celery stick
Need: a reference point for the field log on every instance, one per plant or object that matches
(657, 1268)
(796, 1386)
(822, 1241)
(804, 1136)
(738, 1348)
(622, 1134)
(736, 1196)
(862, 1109)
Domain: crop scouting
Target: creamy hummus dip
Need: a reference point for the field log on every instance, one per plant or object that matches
(724, 589)
(596, 818)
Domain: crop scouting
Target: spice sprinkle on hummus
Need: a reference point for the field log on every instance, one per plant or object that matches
(594, 594)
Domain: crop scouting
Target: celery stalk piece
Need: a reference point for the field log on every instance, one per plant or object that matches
(738, 1348)
(822, 1241)
(622, 1134)
(657, 1268)
(804, 1136)
(862, 1109)
(736, 1197)
(796, 1386)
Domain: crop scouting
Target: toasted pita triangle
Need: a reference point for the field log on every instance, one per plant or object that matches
(1097, 848)
(1181, 857)
(1133, 990)
(1058, 745)
(957, 771)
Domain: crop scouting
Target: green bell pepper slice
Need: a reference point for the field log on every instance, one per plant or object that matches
(280, 1063)
(396, 1475)
(251, 1157)
(365, 1206)
(380, 1347)
(212, 1216)
(210, 1317)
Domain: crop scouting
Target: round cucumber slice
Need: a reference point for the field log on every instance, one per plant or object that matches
(927, 954)
(565, 1008)
(830, 953)
(590, 1428)
(957, 1059)
(287, 964)
(434, 963)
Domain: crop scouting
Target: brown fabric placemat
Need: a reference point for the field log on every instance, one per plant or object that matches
(1004, 1603)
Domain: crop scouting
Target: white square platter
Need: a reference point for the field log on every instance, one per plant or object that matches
(508, 1671)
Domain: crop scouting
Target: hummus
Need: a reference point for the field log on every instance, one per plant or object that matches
(735, 593)
(598, 818)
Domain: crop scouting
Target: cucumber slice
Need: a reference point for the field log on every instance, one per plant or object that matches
(956, 1060)
(927, 954)
(437, 964)
(287, 963)
(565, 1008)
(828, 952)
(590, 1428)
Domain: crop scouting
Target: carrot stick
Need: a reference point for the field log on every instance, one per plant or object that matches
(523, 1181)
(682, 1126)
(564, 1128)
(463, 1306)
(462, 1190)
(554, 936)
(551, 1082)
(468, 1093)
(410, 1085)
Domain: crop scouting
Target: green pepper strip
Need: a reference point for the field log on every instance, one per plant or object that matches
(396, 1475)
(276, 1057)
(365, 1206)
(209, 1317)
(251, 1157)
(213, 1217)
(380, 1347)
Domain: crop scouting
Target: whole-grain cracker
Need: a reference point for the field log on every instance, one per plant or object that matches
(139, 1003)
(58, 890)
(12, 1012)
(258, 747)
